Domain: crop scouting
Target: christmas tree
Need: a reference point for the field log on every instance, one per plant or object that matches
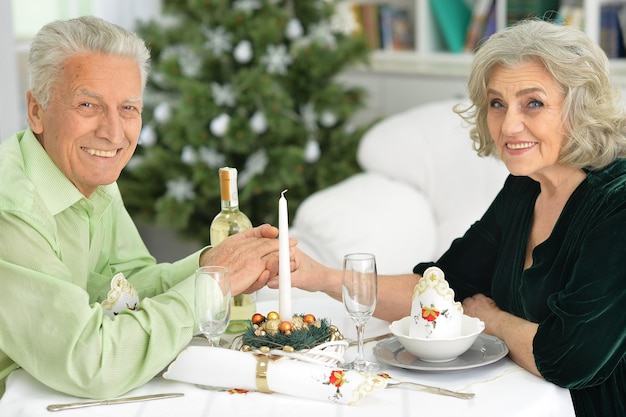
(250, 84)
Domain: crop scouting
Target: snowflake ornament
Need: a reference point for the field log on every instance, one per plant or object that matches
(218, 40)
(276, 59)
(211, 157)
(322, 33)
(309, 118)
(255, 164)
(223, 95)
(135, 163)
(345, 19)
(180, 189)
(189, 61)
(247, 6)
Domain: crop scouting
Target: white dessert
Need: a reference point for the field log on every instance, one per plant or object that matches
(434, 312)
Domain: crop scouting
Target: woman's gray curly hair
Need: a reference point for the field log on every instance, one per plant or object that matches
(593, 114)
(62, 39)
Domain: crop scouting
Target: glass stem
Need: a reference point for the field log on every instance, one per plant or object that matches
(360, 355)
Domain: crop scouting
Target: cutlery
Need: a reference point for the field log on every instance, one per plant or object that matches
(59, 407)
(394, 383)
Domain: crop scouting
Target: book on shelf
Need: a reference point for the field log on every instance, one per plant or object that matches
(491, 26)
(453, 18)
(611, 31)
(396, 30)
(371, 24)
(478, 23)
(571, 13)
(384, 26)
(523, 9)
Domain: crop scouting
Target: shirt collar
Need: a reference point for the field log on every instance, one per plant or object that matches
(56, 190)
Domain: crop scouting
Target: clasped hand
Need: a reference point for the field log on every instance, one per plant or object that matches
(251, 257)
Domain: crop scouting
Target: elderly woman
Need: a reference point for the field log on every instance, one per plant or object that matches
(544, 267)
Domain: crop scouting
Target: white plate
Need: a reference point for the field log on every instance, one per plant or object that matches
(485, 350)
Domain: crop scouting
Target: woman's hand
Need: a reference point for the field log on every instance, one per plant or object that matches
(310, 275)
(515, 332)
(484, 308)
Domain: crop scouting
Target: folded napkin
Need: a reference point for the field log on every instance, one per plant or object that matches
(224, 368)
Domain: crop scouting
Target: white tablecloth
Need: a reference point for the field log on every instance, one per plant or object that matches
(502, 389)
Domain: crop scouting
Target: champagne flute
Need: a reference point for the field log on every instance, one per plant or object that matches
(212, 302)
(360, 285)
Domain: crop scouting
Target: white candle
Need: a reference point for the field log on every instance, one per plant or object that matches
(284, 264)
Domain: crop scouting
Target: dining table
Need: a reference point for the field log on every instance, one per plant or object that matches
(501, 387)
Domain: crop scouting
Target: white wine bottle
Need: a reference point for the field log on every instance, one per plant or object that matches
(228, 221)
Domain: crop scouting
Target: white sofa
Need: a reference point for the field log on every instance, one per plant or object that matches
(422, 185)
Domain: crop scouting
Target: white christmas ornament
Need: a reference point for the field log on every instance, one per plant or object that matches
(312, 151)
(219, 125)
(243, 52)
(328, 118)
(294, 29)
(188, 155)
(148, 136)
(258, 122)
(247, 6)
(163, 112)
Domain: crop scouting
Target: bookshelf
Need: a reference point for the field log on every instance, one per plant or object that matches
(398, 80)
(431, 55)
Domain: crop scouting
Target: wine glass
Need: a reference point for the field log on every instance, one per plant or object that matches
(212, 302)
(360, 285)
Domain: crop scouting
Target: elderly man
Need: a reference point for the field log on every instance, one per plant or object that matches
(66, 233)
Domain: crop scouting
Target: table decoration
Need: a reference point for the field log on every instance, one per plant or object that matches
(435, 314)
(301, 336)
(226, 368)
(304, 338)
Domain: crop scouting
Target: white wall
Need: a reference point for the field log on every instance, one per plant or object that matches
(13, 73)
(10, 120)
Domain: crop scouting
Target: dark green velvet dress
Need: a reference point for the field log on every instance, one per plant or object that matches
(575, 288)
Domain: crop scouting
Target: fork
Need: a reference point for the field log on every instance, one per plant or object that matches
(395, 383)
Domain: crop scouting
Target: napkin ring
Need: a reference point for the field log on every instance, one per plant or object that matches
(262, 362)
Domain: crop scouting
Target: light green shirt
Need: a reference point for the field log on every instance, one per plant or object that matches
(58, 253)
